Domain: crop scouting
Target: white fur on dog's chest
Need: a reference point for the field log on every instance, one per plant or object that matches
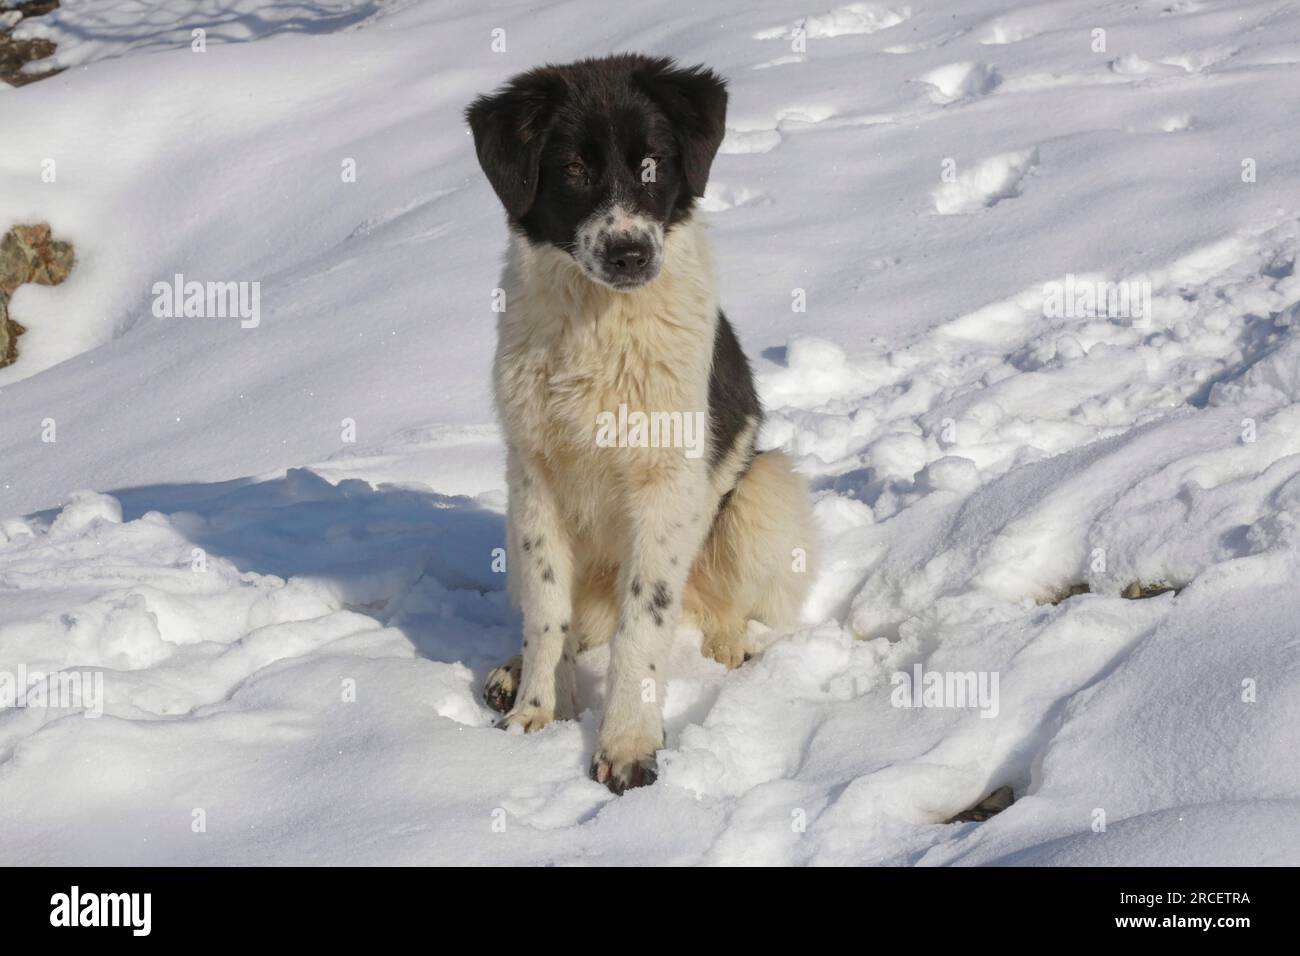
(560, 386)
(570, 351)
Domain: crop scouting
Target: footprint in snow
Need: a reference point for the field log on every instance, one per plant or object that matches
(780, 61)
(1178, 7)
(961, 81)
(764, 139)
(741, 141)
(1003, 33)
(931, 44)
(719, 197)
(855, 19)
(986, 184)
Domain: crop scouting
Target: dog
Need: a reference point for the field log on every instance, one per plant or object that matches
(610, 303)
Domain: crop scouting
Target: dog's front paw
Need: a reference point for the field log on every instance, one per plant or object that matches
(623, 765)
(728, 648)
(502, 685)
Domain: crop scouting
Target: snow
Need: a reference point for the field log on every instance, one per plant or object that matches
(293, 628)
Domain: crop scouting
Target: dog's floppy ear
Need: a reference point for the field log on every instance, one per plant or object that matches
(509, 129)
(695, 100)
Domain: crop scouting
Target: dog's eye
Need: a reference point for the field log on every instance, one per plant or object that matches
(577, 170)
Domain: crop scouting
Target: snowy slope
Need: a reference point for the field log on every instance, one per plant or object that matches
(202, 534)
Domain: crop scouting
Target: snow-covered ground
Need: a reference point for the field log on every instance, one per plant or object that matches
(292, 627)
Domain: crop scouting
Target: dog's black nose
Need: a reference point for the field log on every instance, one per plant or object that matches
(628, 258)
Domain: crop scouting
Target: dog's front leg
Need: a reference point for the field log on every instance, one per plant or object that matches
(540, 557)
(668, 523)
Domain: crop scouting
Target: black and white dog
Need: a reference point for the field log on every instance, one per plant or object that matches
(611, 309)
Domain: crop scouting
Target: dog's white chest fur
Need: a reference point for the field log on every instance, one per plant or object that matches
(570, 351)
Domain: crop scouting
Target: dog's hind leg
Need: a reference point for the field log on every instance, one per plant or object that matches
(777, 512)
(757, 560)
(715, 604)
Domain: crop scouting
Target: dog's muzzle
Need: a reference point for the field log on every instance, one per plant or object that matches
(630, 261)
(619, 250)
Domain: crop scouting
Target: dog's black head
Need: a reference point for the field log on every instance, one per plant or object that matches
(601, 158)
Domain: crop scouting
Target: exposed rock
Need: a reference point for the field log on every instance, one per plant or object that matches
(1136, 591)
(27, 254)
(9, 332)
(993, 804)
(15, 53)
(1065, 593)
